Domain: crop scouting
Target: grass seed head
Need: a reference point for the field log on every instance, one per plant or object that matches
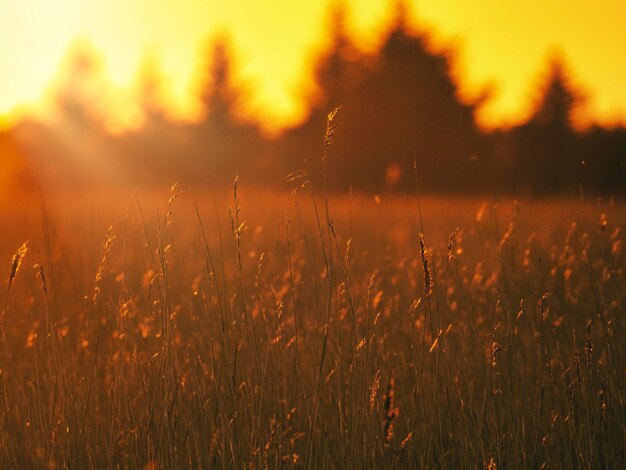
(331, 128)
(424, 256)
(391, 412)
(16, 262)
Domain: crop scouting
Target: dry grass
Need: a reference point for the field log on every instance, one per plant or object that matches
(294, 330)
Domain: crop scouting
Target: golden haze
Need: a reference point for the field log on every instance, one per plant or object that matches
(503, 45)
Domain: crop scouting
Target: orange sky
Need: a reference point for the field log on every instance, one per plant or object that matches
(502, 44)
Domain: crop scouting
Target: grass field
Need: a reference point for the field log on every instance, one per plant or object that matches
(260, 329)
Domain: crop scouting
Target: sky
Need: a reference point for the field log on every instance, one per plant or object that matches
(503, 46)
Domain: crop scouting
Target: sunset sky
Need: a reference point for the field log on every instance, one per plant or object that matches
(503, 45)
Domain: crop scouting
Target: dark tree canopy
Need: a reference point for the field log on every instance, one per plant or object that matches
(79, 87)
(398, 106)
(220, 144)
(219, 94)
(337, 69)
(548, 150)
(151, 93)
(559, 100)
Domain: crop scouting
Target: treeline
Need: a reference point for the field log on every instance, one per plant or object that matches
(400, 112)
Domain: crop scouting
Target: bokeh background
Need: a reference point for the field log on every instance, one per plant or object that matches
(484, 96)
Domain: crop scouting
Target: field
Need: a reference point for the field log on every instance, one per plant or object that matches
(256, 329)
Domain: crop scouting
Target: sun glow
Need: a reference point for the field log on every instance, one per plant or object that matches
(500, 46)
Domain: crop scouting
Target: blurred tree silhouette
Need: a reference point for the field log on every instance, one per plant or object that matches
(154, 146)
(559, 101)
(151, 93)
(397, 106)
(219, 94)
(336, 71)
(76, 149)
(222, 142)
(549, 157)
(78, 92)
(414, 113)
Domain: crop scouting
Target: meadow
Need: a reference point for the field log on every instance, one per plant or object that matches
(265, 329)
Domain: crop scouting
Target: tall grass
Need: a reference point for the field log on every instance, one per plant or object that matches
(348, 337)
